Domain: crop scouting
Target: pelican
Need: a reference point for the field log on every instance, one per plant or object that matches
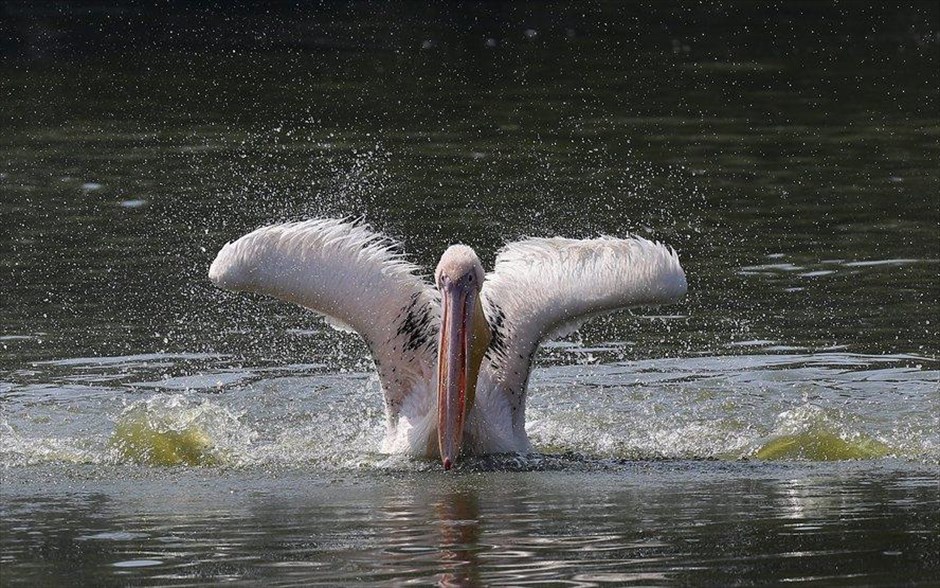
(453, 359)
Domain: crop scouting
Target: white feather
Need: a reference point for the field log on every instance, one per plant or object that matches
(350, 274)
(541, 288)
(337, 324)
(538, 288)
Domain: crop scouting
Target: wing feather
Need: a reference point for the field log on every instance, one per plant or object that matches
(352, 275)
(541, 288)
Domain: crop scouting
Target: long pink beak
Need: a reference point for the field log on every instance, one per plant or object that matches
(453, 367)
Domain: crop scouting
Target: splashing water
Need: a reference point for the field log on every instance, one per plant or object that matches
(695, 408)
(813, 433)
(178, 430)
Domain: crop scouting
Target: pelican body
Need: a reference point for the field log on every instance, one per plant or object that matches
(453, 358)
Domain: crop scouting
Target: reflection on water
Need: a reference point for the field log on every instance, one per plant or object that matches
(292, 491)
(646, 523)
(460, 534)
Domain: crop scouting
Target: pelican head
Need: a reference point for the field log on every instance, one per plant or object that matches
(465, 335)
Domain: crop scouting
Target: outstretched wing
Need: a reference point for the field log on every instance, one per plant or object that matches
(353, 276)
(542, 287)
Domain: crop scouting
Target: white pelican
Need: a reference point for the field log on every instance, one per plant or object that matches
(453, 360)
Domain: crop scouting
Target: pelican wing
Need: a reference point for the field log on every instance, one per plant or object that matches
(354, 277)
(541, 288)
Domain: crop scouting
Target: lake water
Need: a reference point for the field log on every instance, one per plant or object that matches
(781, 424)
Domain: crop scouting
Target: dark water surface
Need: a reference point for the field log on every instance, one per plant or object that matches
(642, 522)
(782, 424)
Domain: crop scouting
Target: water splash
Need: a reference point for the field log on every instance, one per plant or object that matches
(18, 450)
(812, 433)
(175, 429)
(782, 407)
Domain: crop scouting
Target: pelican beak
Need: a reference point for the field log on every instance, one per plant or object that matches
(456, 372)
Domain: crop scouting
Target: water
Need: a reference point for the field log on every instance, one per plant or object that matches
(780, 424)
(645, 523)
